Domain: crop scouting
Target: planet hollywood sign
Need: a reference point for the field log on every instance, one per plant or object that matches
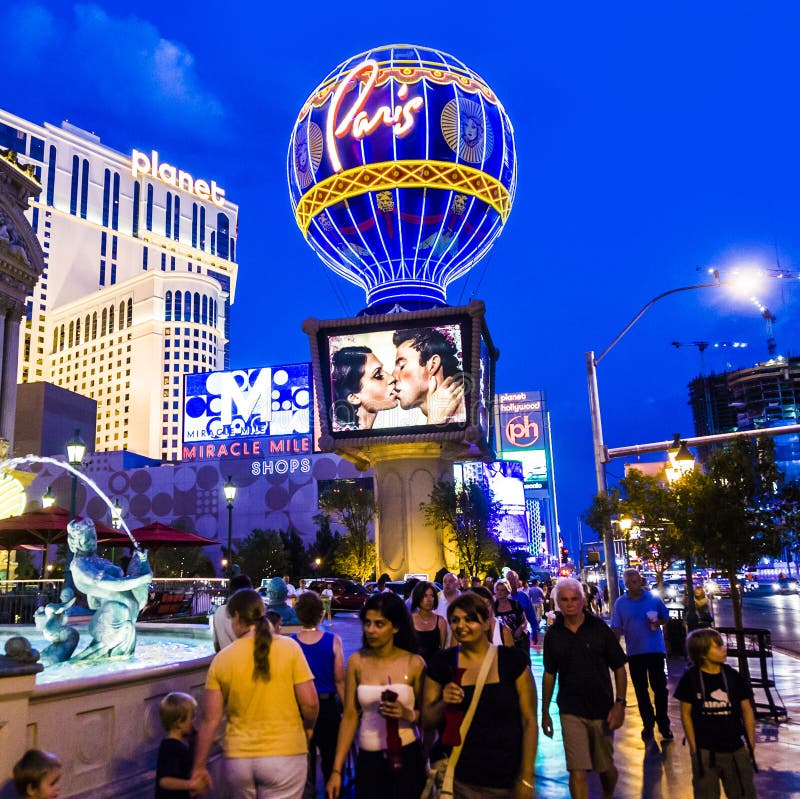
(142, 164)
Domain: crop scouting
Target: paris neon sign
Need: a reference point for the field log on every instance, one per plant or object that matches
(355, 121)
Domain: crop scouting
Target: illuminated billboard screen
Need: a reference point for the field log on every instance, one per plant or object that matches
(521, 433)
(504, 480)
(259, 412)
(423, 373)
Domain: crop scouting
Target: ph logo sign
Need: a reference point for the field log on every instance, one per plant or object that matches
(521, 431)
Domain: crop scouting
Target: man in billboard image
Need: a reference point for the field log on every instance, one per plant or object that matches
(361, 388)
(427, 375)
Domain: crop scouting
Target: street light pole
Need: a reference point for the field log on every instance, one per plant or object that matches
(229, 490)
(76, 449)
(600, 451)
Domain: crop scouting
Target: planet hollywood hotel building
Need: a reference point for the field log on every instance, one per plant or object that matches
(140, 272)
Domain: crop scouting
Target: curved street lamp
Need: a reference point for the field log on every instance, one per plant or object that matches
(229, 489)
(600, 451)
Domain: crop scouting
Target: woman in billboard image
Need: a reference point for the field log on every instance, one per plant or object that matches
(361, 388)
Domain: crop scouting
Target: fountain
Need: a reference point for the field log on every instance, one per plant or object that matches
(98, 710)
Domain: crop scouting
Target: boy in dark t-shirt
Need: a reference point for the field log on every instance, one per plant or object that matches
(174, 768)
(717, 711)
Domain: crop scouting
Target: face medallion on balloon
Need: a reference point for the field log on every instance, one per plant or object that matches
(402, 172)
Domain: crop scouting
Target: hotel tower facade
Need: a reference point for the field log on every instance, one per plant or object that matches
(140, 273)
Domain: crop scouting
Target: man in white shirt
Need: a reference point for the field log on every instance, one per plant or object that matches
(221, 622)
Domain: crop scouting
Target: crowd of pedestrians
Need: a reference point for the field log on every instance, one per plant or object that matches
(441, 693)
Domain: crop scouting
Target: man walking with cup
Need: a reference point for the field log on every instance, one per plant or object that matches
(639, 617)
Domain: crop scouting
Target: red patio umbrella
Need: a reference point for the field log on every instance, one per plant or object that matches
(156, 535)
(41, 528)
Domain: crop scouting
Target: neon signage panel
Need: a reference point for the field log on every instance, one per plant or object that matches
(402, 172)
(142, 164)
(261, 412)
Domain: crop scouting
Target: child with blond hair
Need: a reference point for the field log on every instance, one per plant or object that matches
(174, 768)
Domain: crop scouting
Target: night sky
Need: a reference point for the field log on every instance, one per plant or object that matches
(654, 141)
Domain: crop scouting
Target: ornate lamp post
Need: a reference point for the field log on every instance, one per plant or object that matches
(680, 462)
(229, 489)
(76, 449)
(48, 500)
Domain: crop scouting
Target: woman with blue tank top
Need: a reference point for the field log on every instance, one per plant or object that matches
(325, 656)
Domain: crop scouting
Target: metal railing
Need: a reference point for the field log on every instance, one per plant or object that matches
(168, 598)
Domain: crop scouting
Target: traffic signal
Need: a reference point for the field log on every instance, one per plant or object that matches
(564, 555)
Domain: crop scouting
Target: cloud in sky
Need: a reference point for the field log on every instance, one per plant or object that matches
(81, 58)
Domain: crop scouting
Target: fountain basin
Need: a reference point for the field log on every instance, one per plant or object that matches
(104, 726)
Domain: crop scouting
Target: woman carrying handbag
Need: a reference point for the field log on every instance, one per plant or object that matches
(485, 696)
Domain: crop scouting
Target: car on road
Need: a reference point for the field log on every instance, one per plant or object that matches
(786, 585)
(718, 584)
(347, 595)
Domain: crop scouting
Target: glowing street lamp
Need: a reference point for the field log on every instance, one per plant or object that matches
(48, 498)
(680, 460)
(229, 489)
(76, 449)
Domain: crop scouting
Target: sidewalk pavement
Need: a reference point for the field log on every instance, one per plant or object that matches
(661, 770)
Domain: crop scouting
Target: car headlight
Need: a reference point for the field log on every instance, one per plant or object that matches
(776, 586)
(793, 585)
(672, 592)
(711, 587)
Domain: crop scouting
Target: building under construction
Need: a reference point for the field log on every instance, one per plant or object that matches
(766, 395)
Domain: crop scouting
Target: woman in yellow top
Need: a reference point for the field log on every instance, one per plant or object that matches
(266, 688)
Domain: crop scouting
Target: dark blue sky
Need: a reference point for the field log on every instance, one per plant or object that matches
(653, 140)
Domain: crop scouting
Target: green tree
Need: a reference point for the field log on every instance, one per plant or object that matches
(354, 507)
(262, 555)
(181, 562)
(296, 554)
(733, 512)
(469, 517)
(325, 544)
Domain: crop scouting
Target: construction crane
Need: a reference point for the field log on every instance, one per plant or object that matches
(702, 346)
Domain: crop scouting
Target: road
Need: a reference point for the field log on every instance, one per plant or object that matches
(764, 608)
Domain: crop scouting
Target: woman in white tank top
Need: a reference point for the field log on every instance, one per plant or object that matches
(383, 681)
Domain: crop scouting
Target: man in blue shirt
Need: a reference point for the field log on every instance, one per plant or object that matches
(639, 617)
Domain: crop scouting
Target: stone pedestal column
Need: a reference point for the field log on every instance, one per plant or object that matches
(8, 386)
(404, 476)
(16, 686)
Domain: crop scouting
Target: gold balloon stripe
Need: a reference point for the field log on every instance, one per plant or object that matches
(409, 75)
(402, 174)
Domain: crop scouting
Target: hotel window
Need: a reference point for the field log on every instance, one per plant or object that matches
(148, 219)
(73, 192)
(130, 314)
(163, 262)
(168, 218)
(196, 315)
(51, 175)
(222, 235)
(204, 316)
(194, 227)
(144, 258)
(137, 190)
(78, 332)
(94, 327)
(111, 311)
(115, 203)
(178, 296)
(37, 148)
(121, 316)
(202, 228)
(113, 274)
(102, 273)
(187, 307)
(213, 243)
(84, 188)
(86, 331)
(71, 333)
(106, 195)
(103, 243)
(168, 308)
(176, 226)
(233, 249)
